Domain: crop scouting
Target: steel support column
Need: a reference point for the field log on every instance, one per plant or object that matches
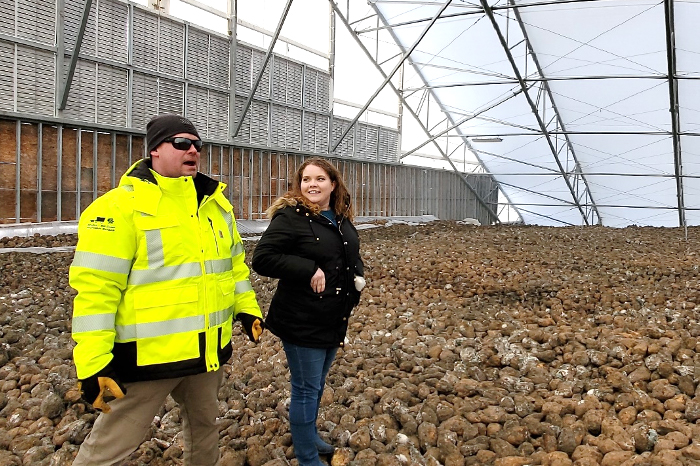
(675, 117)
(39, 169)
(65, 89)
(560, 122)
(533, 107)
(258, 78)
(331, 74)
(60, 47)
(233, 44)
(18, 170)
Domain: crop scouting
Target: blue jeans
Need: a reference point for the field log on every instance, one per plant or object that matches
(308, 368)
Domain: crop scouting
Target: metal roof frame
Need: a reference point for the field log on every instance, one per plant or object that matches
(261, 73)
(673, 97)
(387, 80)
(587, 166)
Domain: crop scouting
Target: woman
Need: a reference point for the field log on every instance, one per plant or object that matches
(312, 246)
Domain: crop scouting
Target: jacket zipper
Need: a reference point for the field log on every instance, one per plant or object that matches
(213, 232)
(342, 238)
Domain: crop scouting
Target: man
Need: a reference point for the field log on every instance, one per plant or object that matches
(160, 275)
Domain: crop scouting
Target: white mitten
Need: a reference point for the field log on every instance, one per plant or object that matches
(359, 282)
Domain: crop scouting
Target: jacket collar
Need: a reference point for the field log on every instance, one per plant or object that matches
(145, 183)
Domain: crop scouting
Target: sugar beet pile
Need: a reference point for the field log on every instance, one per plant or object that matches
(471, 345)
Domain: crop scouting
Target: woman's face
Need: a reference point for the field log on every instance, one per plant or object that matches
(316, 186)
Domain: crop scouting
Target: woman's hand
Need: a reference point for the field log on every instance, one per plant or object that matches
(318, 281)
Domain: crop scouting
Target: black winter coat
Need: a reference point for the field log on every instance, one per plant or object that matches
(292, 248)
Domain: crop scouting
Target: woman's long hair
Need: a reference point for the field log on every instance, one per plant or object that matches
(340, 198)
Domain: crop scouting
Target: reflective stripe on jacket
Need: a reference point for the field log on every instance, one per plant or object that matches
(158, 277)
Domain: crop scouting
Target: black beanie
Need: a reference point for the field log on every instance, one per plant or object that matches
(164, 126)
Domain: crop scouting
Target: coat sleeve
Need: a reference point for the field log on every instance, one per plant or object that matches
(360, 266)
(245, 300)
(273, 256)
(99, 273)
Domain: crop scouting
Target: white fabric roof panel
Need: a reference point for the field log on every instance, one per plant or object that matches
(605, 64)
(689, 96)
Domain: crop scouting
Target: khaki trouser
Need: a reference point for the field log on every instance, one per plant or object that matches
(117, 434)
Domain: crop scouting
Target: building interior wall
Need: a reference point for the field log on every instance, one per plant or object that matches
(51, 172)
(58, 159)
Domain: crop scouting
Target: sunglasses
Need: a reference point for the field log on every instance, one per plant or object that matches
(185, 143)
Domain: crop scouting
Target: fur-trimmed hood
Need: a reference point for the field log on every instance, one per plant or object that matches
(292, 248)
(291, 201)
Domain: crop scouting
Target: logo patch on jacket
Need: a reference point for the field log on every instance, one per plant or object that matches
(101, 223)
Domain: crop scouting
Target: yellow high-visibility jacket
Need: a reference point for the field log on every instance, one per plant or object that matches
(160, 275)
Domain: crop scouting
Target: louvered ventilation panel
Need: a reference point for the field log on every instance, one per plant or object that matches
(279, 80)
(323, 104)
(344, 149)
(383, 147)
(263, 89)
(7, 77)
(310, 98)
(293, 128)
(111, 89)
(145, 38)
(309, 128)
(393, 146)
(277, 125)
(36, 20)
(244, 130)
(197, 56)
(322, 133)
(113, 21)
(144, 105)
(258, 124)
(170, 50)
(218, 62)
(81, 98)
(367, 141)
(35, 81)
(218, 115)
(74, 15)
(197, 108)
(294, 83)
(170, 96)
(360, 140)
(243, 83)
(7, 21)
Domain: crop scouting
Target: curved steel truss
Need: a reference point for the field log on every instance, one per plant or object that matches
(589, 105)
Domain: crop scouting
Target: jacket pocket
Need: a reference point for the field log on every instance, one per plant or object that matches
(162, 238)
(226, 300)
(167, 297)
(227, 288)
(167, 325)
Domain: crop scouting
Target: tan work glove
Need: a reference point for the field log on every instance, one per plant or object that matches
(252, 325)
(101, 388)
